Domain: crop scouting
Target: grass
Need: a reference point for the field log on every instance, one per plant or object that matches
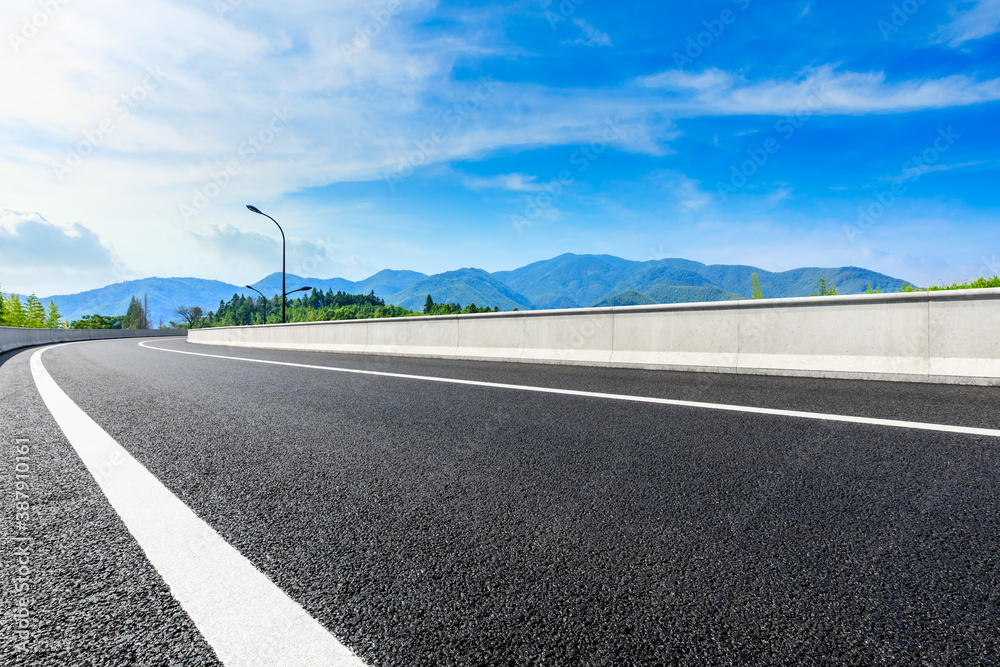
(978, 283)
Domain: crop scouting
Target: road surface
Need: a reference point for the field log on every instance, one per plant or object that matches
(428, 512)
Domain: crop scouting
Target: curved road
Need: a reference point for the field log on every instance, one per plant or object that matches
(425, 522)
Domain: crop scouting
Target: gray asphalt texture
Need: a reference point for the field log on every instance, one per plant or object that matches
(435, 524)
(92, 597)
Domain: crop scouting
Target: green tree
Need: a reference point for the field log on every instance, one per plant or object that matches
(135, 316)
(192, 316)
(14, 315)
(428, 305)
(54, 319)
(822, 289)
(755, 290)
(34, 313)
(94, 322)
(131, 320)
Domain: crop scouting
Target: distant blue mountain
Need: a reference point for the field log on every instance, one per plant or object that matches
(798, 282)
(165, 295)
(569, 281)
(465, 286)
(383, 283)
(566, 281)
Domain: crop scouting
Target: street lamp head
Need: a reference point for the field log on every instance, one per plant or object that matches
(306, 288)
(254, 209)
(248, 287)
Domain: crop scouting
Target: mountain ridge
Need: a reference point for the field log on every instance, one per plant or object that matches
(565, 281)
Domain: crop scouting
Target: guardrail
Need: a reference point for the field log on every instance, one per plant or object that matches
(12, 338)
(947, 336)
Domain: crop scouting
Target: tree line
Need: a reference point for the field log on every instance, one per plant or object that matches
(317, 306)
(136, 317)
(431, 308)
(30, 314)
(829, 289)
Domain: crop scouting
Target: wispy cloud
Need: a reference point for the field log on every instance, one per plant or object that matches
(304, 257)
(512, 182)
(591, 36)
(686, 191)
(917, 171)
(975, 20)
(678, 80)
(822, 90)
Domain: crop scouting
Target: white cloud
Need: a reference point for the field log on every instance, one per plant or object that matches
(262, 253)
(977, 19)
(41, 257)
(512, 182)
(915, 171)
(686, 191)
(591, 35)
(822, 90)
(679, 80)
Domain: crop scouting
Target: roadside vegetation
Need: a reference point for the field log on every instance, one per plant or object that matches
(823, 288)
(317, 306)
(135, 317)
(30, 314)
(978, 283)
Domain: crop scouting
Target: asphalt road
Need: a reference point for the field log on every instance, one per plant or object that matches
(427, 523)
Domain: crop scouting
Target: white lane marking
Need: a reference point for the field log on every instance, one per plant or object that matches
(243, 616)
(894, 423)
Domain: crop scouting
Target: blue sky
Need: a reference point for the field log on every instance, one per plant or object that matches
(437, 135)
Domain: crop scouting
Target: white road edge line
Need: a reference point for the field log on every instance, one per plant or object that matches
(944, 428)
(243, 616)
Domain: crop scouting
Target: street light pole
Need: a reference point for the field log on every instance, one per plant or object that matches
(263, 298)
(258, 211)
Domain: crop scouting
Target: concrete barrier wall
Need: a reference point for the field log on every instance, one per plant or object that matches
(12, 338)
(949, 336)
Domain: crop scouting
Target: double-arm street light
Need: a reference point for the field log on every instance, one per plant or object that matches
(283, 292)
(263, 298)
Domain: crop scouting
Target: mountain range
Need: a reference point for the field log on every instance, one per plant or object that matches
(567, 281)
